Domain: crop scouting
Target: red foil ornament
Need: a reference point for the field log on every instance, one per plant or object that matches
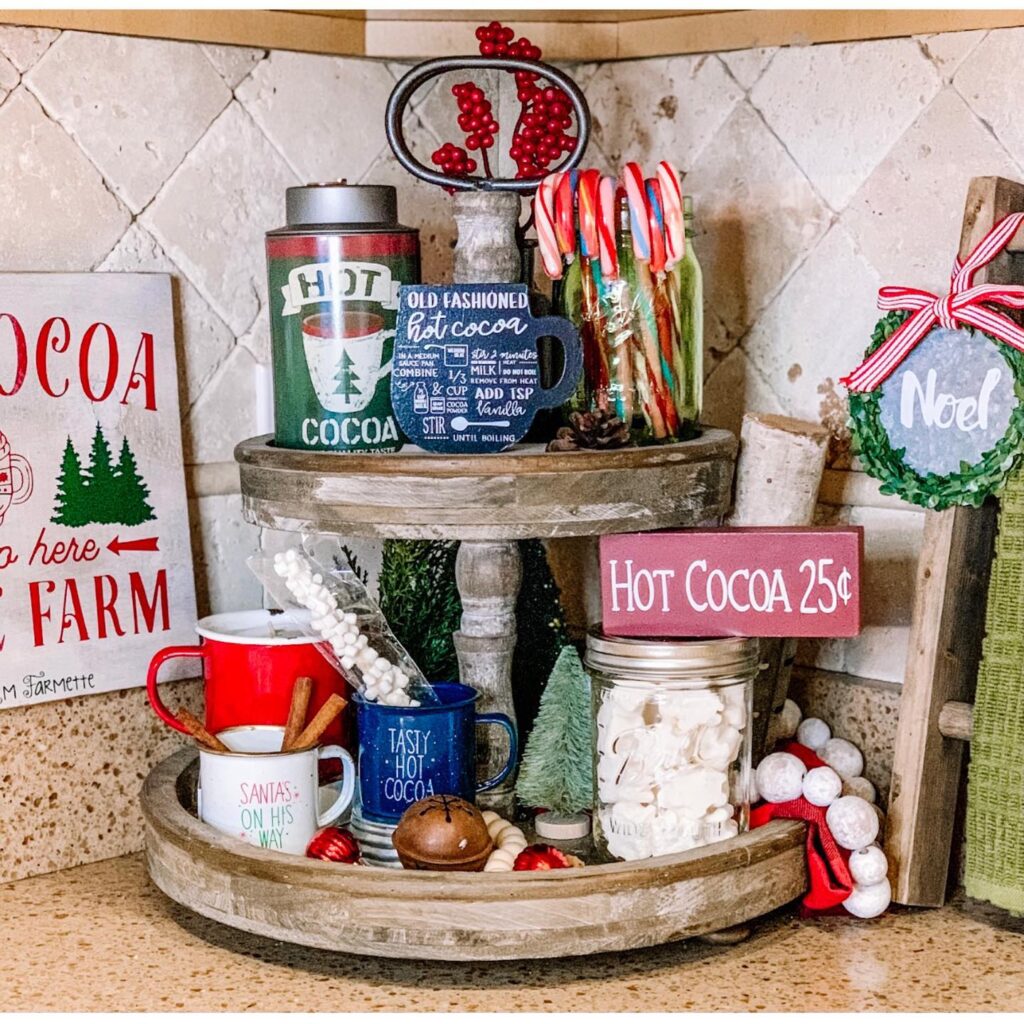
(337, 844)
(541, 857)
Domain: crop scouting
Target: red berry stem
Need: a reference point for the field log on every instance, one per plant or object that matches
(541, 133)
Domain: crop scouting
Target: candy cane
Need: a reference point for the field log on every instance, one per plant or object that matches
(607, 226)
(636, 194)
(672, 210)
(587, 200)
(656, 220)
(565, 220)
(544, 218)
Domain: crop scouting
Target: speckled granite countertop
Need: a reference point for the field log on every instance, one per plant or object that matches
(101, 937)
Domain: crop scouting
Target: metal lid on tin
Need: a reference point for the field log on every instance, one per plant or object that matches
(337, 202)
(699, 659)
(549, 825)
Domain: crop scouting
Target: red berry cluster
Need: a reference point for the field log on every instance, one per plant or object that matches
(540, 137)
(454, 160)
(475, 117)
(496, 41)
(541, 132)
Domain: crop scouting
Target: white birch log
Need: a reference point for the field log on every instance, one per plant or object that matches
(778, 471)
(778, 474)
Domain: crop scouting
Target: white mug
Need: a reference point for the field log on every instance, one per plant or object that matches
(267, 798)
(344, 355)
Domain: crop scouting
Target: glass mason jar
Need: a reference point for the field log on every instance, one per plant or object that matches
(642, 335)
(671, 742)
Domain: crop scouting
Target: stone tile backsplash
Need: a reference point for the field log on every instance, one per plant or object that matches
(818, 173)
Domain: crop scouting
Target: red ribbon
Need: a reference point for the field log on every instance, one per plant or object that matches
(963, 304)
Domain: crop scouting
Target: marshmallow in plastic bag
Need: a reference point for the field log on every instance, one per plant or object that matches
(353, 633)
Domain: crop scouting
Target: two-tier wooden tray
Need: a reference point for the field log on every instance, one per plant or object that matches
(488, 502)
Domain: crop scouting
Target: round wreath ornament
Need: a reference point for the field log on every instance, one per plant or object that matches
(937, 406)
(941, 464)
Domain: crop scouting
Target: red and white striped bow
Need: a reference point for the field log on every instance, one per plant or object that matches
(964, 304)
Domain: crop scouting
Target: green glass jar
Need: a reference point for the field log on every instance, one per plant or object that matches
(642, 338)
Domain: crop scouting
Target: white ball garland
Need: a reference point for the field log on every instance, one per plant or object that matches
(860, 787)
(784, 722)
(813, 733)
(868, 866)
(780, 777)
(821, 786)
(843, 756)
(869, 900)
(382, 681)
(852, 817)
(852, 822)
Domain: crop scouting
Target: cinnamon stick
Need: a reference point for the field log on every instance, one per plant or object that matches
(198, 730)
(301, 692)
(323, 718)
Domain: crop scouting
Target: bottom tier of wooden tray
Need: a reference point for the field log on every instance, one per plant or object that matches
(429, 915)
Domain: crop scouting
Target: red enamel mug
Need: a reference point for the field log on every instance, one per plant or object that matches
(249, 668)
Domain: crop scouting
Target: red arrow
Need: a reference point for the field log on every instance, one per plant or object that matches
(143, 544)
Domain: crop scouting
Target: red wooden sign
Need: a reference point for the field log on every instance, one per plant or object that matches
(750, 581)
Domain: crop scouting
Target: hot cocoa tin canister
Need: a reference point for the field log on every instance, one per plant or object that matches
(334, 271)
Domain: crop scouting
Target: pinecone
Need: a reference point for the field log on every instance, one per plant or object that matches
(592, 431)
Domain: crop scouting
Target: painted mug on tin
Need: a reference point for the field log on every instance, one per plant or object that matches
(346, 354)
(406, 754)
(268, 798)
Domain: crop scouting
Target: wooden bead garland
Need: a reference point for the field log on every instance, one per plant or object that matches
(508, 841)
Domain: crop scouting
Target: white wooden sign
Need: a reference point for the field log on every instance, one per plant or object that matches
(95, 561)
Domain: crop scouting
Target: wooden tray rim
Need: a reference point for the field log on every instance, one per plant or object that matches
(179, 827)
(713, 443)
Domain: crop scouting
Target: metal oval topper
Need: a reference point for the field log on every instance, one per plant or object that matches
(422, 73)
(466, 376)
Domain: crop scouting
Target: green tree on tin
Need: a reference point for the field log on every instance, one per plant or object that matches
(557, 770)
(347, 378)
(71, 485)
(130, 490)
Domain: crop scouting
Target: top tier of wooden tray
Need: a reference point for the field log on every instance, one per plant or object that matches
(524, 492)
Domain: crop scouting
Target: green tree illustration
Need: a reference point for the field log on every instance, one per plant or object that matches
(101, 488)
(557, 771)
(71, 487)
(131, 490)
(347, 378)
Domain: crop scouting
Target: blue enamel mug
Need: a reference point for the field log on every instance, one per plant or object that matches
(406, 754)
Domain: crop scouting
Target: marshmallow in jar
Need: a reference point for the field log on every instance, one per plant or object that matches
(672, 741)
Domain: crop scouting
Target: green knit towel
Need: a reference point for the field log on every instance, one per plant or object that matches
(994, 869)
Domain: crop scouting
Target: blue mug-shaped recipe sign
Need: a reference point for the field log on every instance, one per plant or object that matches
(466, 375)
(406, 754)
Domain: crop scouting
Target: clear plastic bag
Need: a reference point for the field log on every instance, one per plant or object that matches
(324, 599)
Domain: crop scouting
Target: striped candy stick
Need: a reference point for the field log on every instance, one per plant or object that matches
(623, 344)
(639, 223)
(595, 295)
(544, 219)
(565, 215)
(672, 210)
(587, 207)
(657, 224)
(607, 225)
(666, 308)
(659, 369)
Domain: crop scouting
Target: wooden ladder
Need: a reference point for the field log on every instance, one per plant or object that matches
(947, 628)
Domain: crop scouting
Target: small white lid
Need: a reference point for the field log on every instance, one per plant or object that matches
(549, 825)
